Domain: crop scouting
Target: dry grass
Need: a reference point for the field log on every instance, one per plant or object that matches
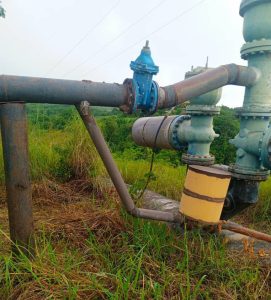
(89, 249)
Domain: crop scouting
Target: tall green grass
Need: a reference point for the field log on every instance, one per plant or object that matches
(168, 180)
(146, 261)
(137, 260)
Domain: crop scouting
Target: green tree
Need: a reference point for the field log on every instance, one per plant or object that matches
(227, 126)
(2, 11)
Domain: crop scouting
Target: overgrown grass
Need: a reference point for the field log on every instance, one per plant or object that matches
(168, 180)
(142, 260)
(89, 248)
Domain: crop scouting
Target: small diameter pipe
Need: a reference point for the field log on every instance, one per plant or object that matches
(59, 91)
(185, 90)
(111, 167)
(246, 231)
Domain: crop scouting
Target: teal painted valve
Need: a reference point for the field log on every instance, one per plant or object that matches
(200, 134)
(252, 142)
(145, 90)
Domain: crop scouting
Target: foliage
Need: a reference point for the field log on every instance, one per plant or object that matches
(227, 126)
(88, 248)
(2, 11)
(54, 116)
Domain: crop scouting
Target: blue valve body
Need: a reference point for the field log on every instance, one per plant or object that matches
(145, 89)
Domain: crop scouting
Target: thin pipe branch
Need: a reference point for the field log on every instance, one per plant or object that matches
(246, 231)
(112, 169)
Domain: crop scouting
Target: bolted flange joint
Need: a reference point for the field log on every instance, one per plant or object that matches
(200, 134)
(265, 148)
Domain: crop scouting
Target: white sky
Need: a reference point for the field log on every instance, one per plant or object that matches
(37, 38)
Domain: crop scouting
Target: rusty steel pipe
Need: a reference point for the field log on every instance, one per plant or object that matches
(58, 91)
(162, 132)
(17, 176)
(112, 169)
(185, 90)
(145, 129)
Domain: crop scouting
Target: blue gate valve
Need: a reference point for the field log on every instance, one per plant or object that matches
(145, 89)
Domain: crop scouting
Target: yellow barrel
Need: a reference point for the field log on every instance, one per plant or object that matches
(204, 193)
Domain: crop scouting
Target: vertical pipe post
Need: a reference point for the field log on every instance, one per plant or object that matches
(17, 176)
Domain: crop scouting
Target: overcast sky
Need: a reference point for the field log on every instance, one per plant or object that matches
(96, 40)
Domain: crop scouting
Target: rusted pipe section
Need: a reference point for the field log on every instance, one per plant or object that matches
(17, 175)
(213, 79)
(153, 200)
(58, 91)
(163, 132)
(246, 231)
(112, 169)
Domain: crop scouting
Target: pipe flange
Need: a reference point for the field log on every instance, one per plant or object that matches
(154, 96)
(242, 173)
(201, 110)
(265, 148)
(246, 4)
(254, 112)
(174, 140)
(256, 47)
(128, 107)
(206, 160)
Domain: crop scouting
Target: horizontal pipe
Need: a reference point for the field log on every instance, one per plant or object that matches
(246, 231)
(112, 169)
(153, 132)
(59, 91)
(205, 82)
(163, 132)
(156, 215)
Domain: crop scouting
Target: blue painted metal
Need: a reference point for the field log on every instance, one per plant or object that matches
(145, 89)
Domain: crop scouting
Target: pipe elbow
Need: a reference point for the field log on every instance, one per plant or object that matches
(135, 212)
(241, 75)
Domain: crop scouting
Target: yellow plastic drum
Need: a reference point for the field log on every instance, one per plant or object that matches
(204, 193)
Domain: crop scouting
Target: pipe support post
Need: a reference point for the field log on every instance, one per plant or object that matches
(17, 176)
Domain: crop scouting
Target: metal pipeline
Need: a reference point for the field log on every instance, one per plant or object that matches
(58, 91)
(185, 90)
(112, 169)
(161, 132)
